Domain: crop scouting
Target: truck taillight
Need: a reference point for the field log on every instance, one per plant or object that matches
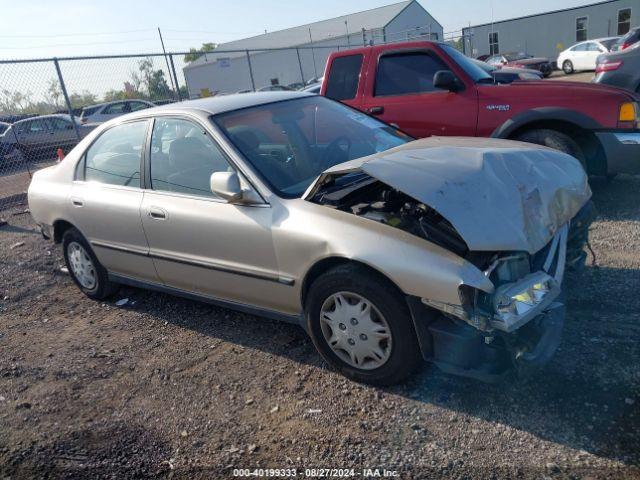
(608, 66)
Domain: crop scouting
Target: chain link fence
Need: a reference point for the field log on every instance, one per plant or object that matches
(48, 105)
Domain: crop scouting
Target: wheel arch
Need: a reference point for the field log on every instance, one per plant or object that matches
(576, 125)
(60, 226)
(328, 263)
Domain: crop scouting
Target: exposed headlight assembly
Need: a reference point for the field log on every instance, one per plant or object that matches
(516, 303)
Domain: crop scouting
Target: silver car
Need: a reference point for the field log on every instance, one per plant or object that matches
(107, 111)
(291, 206)
(38, 138)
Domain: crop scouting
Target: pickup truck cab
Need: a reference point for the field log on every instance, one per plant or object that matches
(430, 88)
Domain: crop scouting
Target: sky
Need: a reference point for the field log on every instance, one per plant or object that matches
(48, 28)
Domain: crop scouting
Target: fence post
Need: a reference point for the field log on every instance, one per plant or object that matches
(300, 65)
(364, 38)
(175, 77)
(63, 87)
(253, 83)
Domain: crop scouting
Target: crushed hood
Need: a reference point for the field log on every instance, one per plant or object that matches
(499, 195)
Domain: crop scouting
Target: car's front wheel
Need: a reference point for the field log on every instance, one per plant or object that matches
(361, 326)
(85, 269)
(567, 67)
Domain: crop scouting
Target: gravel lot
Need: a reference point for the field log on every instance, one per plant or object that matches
(165, 387)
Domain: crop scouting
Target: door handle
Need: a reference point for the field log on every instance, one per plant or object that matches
(376, 110)
(157, 213)
(77, 201)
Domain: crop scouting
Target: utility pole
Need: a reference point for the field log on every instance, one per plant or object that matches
(313, 55)
(346, 26)
(167, 60)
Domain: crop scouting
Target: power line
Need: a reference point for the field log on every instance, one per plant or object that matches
(77, 34)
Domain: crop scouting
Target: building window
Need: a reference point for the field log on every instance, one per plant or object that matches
(624, 21)
(494, 47)
(581, 28)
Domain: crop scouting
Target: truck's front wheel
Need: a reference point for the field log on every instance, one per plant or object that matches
(554, 139)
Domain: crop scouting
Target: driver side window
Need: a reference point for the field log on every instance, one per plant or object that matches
(183, 157)
(115, 157)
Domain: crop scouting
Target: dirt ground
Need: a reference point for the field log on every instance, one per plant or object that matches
(169, 388)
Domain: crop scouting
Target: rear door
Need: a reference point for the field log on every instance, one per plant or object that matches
(579, 56)
(106, 198)
(35, 139)
(345, 82)
(64, 135)
(399, 90)
(594, 50)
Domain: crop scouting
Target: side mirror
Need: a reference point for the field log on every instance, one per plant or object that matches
(226, 185)
(446, 80)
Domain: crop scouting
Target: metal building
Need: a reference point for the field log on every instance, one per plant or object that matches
(299, 54)
(547, 34)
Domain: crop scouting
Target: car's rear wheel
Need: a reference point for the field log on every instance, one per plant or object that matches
(567, 67)
(85, 269)
(361, 326)
(556, 140)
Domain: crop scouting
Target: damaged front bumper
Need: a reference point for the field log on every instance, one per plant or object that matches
(517, 328)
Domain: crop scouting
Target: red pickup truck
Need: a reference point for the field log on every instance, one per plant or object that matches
(430, 88)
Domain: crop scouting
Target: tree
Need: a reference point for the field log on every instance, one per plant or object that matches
(54, 94)
(195, 54)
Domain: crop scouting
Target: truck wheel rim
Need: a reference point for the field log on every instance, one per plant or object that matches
(81, 265)
(355, 330)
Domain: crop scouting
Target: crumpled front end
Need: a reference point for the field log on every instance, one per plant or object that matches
(516, 212)
(519, 326)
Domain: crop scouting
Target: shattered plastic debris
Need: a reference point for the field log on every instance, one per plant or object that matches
(122, 301)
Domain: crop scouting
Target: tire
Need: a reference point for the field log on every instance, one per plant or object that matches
(567, 67)
(74, 246)
(399, 354)
(556, 140)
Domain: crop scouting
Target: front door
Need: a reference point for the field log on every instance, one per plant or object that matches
(106, 198)
(198, 241)
(402, 93)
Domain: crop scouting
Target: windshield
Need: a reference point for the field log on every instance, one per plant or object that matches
(474, 71)
(290, 143)
(484, 65)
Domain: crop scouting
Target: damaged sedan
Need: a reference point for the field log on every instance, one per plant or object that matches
(386, 250)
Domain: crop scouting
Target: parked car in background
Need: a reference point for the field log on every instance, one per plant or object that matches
(313, 88)
(583, 55)
(430, 88)
(296, 85)
(620, 69)
(39, 138)
(275, 88)
(509, 74)
(106, 111)
(386, 250)
(522, 60)
(631, 38)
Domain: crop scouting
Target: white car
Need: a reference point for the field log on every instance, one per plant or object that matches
(106, 111)
(583, 55)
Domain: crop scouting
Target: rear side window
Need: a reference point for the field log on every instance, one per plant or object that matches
(343, 77)
(116, 109)
(407, 73)
(135, 106)
(114, 158)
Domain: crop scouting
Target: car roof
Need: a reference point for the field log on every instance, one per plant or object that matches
(40, 117)
(222, 103)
